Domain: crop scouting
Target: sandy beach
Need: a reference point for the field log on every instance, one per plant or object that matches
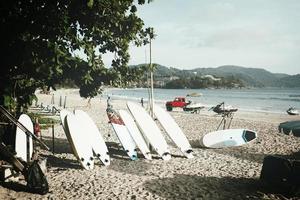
(229, 173)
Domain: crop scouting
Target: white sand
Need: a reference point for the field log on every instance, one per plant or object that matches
(230, 173)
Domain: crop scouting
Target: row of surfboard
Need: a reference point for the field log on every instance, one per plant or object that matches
(132, 130)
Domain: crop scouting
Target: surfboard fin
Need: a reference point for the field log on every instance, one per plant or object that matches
(189, 151)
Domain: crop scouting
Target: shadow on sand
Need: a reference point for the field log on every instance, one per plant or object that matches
(137, 167)
(62, 163)
(239, 152)
(15, 186)
(196, 187)
(122, 163)
(61, 145)
(116, 151)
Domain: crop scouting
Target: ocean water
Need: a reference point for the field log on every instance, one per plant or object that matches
(274, 100)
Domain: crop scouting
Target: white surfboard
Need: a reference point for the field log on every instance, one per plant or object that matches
(227, 138)
(21, 138)
(173, 130)
(135, 133)
(97, 142)
(81, 143)
(122, 133)
(150, 130)
(63, 114)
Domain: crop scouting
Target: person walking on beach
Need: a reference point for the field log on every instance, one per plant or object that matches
(108, 102)
(142, 101)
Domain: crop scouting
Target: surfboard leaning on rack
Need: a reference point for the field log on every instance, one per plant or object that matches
(150, 130)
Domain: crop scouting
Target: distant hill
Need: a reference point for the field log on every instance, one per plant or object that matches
(289, 81)
(251, 77)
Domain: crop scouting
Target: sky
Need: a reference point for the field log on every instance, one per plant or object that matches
(211, 33)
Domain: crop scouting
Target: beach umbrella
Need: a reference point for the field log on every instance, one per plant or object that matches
(290, 127)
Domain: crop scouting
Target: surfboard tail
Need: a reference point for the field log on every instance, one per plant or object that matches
(148, 156)
(189, 153)
(166, 156)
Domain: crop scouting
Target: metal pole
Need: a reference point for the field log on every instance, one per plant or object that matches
(65, 102)
(53, 137)
(52, 99)
(27, 148)
(151, 83)
(151, 94)
(60, 101)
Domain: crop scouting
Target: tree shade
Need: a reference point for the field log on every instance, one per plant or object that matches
(39, 41)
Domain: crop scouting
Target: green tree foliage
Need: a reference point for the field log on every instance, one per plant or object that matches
(39, 39)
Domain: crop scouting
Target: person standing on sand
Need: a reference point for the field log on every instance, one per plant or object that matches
(142, 101)
(108, 102)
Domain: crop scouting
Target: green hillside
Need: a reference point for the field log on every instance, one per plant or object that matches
(250, 77)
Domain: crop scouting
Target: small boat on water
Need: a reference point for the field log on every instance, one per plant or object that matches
(292, 111)
(194, 94)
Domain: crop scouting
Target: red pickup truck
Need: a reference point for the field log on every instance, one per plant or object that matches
(177, 102)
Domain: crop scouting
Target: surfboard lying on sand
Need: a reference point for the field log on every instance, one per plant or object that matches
(97, 142)
(21, 138)
(173, 130)
(227, 138)
(135, 133)
(122, 133)
(150, 130)
(80, 142)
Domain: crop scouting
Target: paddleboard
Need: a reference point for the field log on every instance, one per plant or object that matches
(173, 130)
(150, 130)
(97, 142)
(227, 138)
(135, 133)
(21, 138)
(81, 143)
(122, 133)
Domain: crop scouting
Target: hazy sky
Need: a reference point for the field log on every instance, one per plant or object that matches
(210, 33)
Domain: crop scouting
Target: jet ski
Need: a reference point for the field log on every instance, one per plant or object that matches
(292, 111)
(222, 109)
